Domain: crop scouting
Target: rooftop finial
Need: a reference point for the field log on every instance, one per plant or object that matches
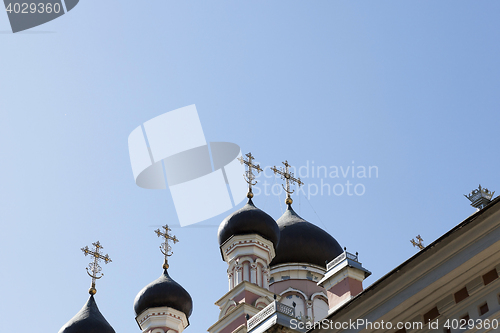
(289, 178)
(418, 244)
(165, 248)
(480, 197)
(95, 269)
(249, 176)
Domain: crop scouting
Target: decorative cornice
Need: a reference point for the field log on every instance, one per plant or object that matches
(299, 267)
(450, 252)
(294, 290)
(148, 315)
(177, 318)
(297, 271)
(243, 286)
(241, 309)
(342, 267)
(247, 241)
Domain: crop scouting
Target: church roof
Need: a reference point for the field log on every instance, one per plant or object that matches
(303, 242)
(430, 251)
(249, 220)
(163, 291)
(88, 320)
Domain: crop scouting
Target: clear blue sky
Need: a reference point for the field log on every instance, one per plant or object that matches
(409, 87)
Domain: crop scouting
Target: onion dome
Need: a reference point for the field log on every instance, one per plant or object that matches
(163, 292)
(88, 320)
(249, 220)
(303, 242)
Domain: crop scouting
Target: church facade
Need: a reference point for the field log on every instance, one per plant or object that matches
(450, 286)
(289, 276)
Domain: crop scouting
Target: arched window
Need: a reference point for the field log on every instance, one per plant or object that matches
(320, 309)
(300, 307)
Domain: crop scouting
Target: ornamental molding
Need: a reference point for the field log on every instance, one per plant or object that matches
(166, 317)
(256, 244)
(227, 308)
(240, 310)
(319, 295)
(242, 287)
(294, 290)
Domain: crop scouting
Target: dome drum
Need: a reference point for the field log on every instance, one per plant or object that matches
(162, 317)
(247, 245)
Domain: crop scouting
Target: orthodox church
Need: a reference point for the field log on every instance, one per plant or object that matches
(289, 275)
(161, 306)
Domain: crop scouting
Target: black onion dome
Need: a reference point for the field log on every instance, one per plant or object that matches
(249, 220)
(303, 242)
(88, 320)
(163, 292)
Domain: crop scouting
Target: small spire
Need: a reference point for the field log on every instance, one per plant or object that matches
(94, 267)
(288, 177)
(165, 248)
(418, 244)
(480, 197)
(248, 175)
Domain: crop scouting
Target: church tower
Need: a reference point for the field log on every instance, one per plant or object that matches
(163, 306)
(309, 271)
(89, 319)
(281, 271)
(248, 239)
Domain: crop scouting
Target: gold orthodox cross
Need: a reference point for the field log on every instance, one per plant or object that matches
(95, 269)
(418, 244)
(165, 248)
(289, 178)
(249, 176)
